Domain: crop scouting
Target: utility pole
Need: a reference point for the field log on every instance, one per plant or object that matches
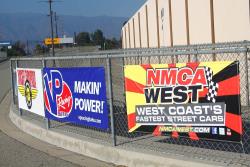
(74, 38)
(51, 25)
(27, 47)
(56, 19)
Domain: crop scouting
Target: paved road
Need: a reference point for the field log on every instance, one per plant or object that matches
(16, 154)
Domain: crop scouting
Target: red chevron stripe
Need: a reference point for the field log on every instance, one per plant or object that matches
(146, 66)
(131, 121)
(132, 86)
(227, 87)
(234, 122)
(230, 86)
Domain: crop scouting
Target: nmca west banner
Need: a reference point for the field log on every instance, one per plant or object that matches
(196, 100)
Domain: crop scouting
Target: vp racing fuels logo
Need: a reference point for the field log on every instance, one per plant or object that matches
(57, 95)
(27, 86)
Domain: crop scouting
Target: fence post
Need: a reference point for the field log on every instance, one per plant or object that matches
(196, 55)
(247, 81)
(12, 82)
(214, 56)
(159, 59)
(19, 110)
(172, 56)
(176, 57)
(110, 96)
(47, 121)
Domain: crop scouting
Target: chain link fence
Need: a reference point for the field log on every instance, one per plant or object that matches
(229, 153)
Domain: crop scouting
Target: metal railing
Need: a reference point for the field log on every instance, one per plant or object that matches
(118, 135)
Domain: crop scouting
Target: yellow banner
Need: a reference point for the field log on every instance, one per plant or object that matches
(48, 41)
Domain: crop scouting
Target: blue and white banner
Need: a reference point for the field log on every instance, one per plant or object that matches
(76, 95)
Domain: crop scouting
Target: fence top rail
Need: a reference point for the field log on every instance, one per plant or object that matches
(232, 47)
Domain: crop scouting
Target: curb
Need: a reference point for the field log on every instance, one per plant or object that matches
(108, 154)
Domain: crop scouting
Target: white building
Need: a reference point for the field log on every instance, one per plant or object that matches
(160, 23)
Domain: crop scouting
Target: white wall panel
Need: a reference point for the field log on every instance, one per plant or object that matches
(199, 21)
(152, 23)
(231, 20)
(137, 33)
(164, 23)
(143, 28)
(179, 22)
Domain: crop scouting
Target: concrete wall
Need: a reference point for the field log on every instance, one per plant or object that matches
(192, 23)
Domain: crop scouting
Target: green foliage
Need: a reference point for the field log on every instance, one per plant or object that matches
(111, 44)
(18, 49)
(97, 37)
(83, 39)
(39, 49)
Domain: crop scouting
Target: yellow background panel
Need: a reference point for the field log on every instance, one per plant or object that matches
(134, 99)
(179, 65)
(166, 65)
(135, 73)
(216, 66)
(159, 66)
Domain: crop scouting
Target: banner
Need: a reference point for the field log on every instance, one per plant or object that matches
(48, 41)
(76, 95)
(198, 100)
(30, 90)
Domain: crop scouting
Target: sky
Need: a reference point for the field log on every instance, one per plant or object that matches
(119, 8)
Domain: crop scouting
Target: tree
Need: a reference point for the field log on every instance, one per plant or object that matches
(112, 44)
(83, 39)
(98, 38)
(39, 49)
(18, 49)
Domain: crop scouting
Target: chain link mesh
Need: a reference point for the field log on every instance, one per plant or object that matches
(228, 153)
(219, 151)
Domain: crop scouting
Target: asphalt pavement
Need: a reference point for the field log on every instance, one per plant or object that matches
(16, 154)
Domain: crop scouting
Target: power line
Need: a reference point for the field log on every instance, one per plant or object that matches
(51, 24)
